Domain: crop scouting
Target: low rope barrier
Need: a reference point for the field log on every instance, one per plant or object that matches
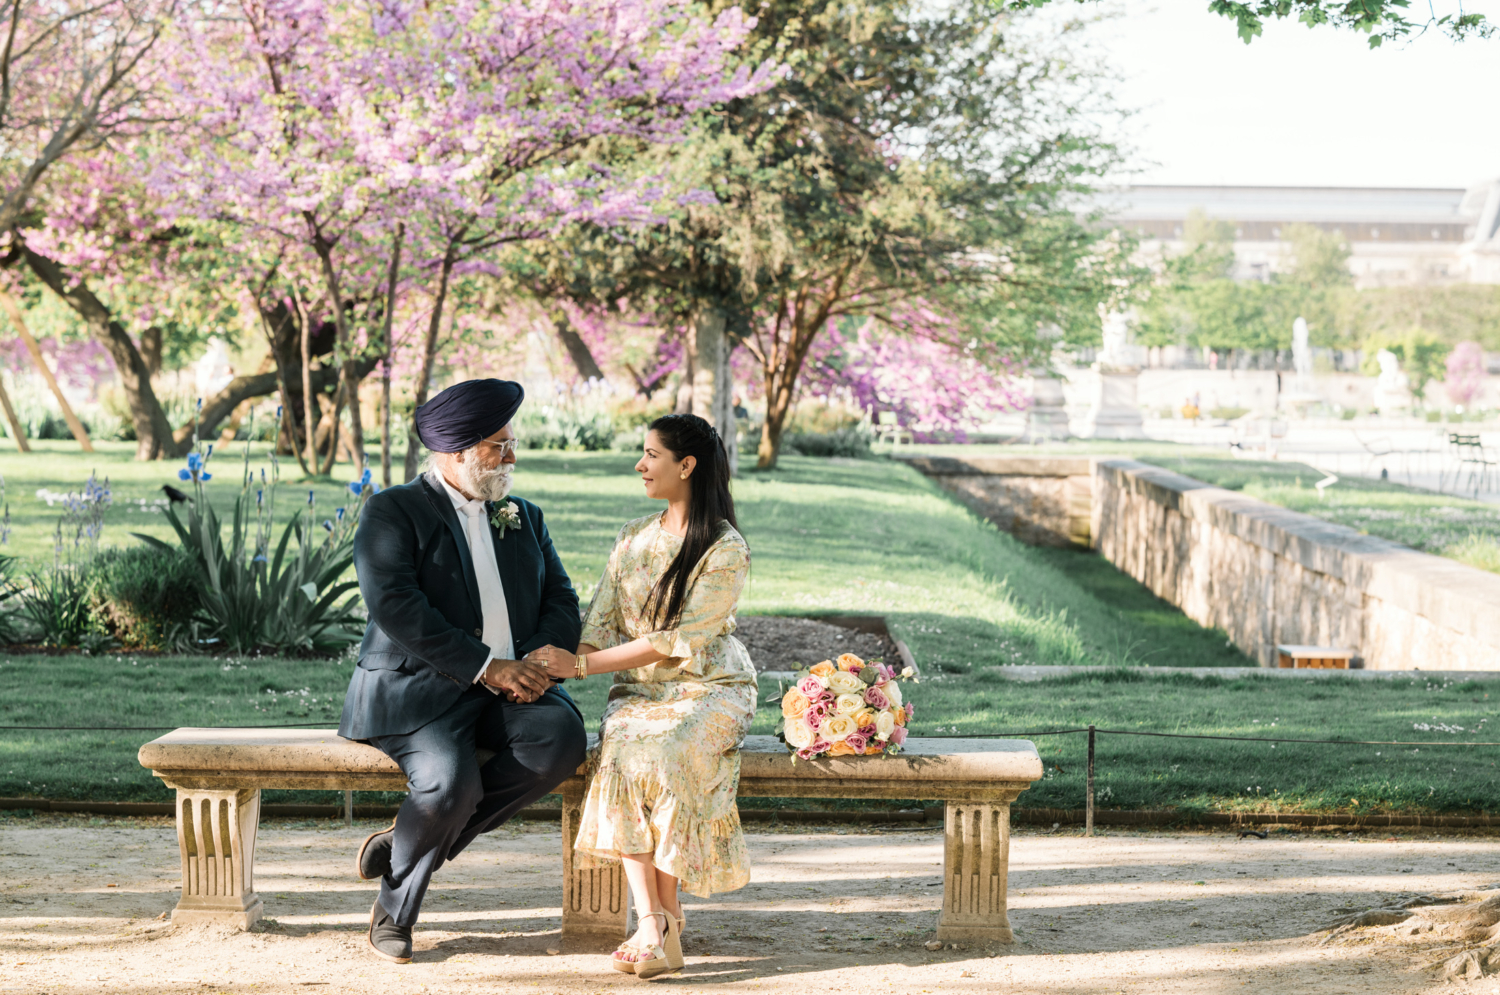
(1094, 731)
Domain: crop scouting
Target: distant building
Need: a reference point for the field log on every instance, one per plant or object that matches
(1397, 236)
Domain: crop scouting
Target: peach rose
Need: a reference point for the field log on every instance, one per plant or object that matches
(841, 749)
(836, 728)
(794, 704)
(900, 717)
(850, 662)
(824, 669)
(865, 717)
(874, 748)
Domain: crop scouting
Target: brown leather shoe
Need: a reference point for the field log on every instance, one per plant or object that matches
(374, 860)
(387, 939)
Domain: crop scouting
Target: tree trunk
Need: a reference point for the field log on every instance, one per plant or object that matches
(153, 432)
(778, 406)
(16, 318)
(17, 430)
(385, 365)
(578, 349)
(309, 424)
(712, 396)
(151, 343)
(429, 357)
(350, 390)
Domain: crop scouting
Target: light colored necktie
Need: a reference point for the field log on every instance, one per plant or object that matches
(492, 605)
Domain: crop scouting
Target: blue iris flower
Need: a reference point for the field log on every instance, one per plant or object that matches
(340, 515)
(328, 525)
(358, 486)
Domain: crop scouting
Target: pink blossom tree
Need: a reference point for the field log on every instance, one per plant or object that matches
(1465, 365)
(469, 125)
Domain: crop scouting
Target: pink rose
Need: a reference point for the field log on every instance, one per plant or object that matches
(876, 698)
(811, 687)
(821, 746)
(898, 736)
(868, 732)
(828, 697)
(816, 713)
(857, 741)
(910, 710)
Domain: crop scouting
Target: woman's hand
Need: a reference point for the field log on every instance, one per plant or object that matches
(559, 662)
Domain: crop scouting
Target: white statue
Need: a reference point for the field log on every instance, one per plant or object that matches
(1119, 353)
(1392, 387)
(1301, 351)
(213, 372)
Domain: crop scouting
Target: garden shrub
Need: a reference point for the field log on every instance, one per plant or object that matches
(548, 427)
(55, 602)
(853, 441)
(144, 596)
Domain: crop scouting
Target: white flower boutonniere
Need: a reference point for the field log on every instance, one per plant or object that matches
(505, 518)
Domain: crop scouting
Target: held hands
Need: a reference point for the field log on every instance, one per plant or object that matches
(520, 680)
(559, 662)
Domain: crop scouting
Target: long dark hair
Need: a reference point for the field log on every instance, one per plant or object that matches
(710, 508)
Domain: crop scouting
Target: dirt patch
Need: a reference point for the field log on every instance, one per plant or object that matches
(828, 909)
(776, 642)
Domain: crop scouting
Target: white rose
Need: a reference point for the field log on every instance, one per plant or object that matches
(799, 735)
(843, 682)
(836, 729)
(892, 692)
(885, 724)
(848, 704)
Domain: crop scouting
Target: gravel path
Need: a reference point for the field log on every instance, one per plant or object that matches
(830, 909)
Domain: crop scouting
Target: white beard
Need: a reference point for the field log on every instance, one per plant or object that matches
(487, 485)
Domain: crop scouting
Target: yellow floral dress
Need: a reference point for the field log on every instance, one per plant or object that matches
(668, 762)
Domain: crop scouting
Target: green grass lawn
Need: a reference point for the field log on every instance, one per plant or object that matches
(1133, 772)
(827, 536)
(1425, 520)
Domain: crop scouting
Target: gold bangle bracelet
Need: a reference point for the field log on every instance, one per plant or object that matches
(582, 668)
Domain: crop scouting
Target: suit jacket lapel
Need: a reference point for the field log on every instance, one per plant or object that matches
(444, 508)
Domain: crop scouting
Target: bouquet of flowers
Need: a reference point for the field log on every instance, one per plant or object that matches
(845, 708)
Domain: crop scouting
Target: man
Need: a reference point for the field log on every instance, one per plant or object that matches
(461, 582)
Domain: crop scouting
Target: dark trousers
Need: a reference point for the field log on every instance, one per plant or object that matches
(451, 799)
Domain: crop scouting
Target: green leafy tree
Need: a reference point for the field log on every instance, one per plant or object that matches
(1381, 20)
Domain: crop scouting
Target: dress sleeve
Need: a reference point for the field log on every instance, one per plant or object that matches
(710, 603)
(602, 626)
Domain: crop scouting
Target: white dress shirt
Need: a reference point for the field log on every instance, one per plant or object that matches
(492, 606)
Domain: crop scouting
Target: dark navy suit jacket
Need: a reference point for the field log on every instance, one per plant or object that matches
(422, 646)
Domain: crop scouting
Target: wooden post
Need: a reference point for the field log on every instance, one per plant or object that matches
(1088, 798)
(17, 431)
(74, 425)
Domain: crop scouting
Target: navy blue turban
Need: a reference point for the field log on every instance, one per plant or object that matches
(467, 412)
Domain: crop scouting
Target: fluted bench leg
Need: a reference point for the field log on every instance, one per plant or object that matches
(976, 867)
(594, 891)
(216, 834)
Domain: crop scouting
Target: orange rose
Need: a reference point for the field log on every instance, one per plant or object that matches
(841, 749)
(794, 704)
(823, 669)
(874, 747)
(850, 662)
(900, 715)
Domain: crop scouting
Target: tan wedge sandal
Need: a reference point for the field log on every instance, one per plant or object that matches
(655, 960)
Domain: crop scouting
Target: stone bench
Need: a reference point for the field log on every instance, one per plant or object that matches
(219, 773)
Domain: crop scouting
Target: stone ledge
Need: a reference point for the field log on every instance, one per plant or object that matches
(1453, 598)
(1002, 466)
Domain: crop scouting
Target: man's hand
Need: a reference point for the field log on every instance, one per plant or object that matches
(521, 680)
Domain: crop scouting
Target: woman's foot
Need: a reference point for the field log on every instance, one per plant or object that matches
(644, 946)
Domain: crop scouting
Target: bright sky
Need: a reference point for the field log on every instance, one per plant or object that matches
(1303, 106)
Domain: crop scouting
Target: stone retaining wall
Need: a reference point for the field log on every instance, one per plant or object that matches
(1266, 575)
(1041, 500)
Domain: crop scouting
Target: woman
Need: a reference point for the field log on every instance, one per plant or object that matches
(662, 795)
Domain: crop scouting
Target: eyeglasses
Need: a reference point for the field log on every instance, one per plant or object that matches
(506, 447)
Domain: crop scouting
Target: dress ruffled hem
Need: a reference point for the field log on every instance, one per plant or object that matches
(707, 855)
